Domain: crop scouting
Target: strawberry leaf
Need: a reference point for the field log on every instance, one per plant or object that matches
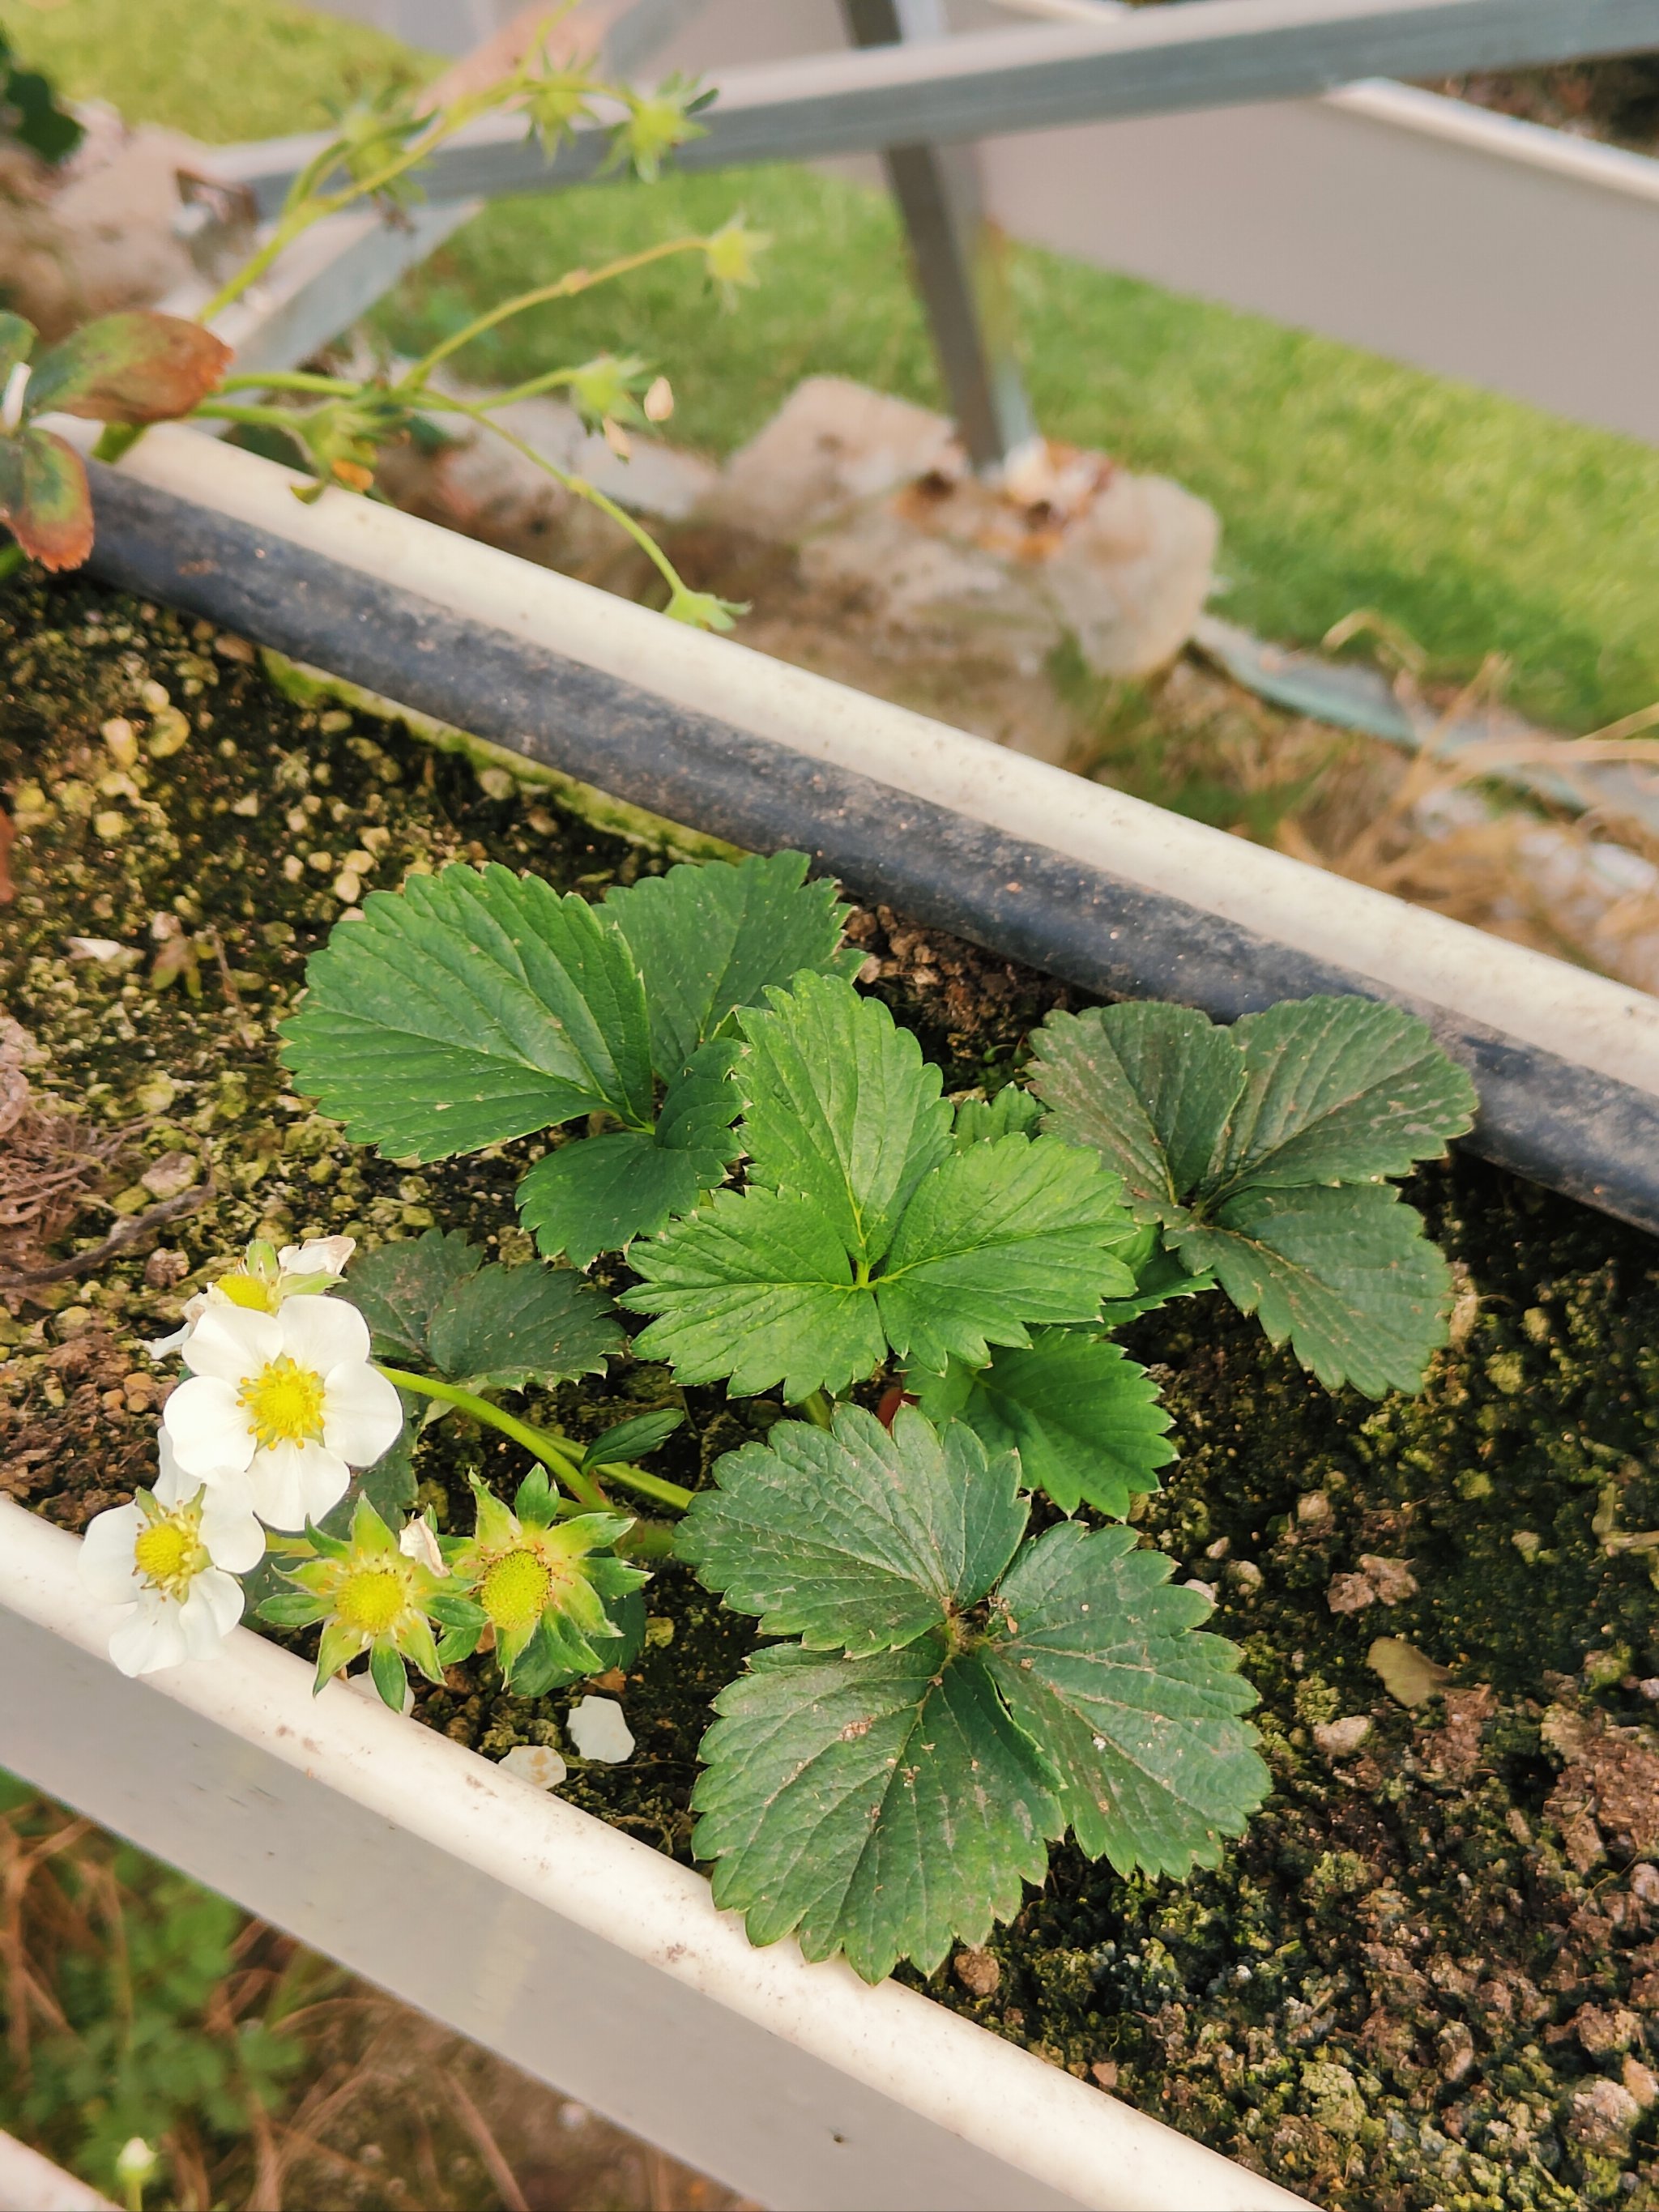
(471, 1007)
(596, 1194)
(397, 1288)
(1085, 1419)
(758, 1289)
(1097, 1659)
(709, 939)
(1017, 1230)
(843, 1109)
(894, 1795)
(1348, 1275)
(1263, 1148)
(856, 1540)
(44, 500)
(138, 367)
(506, 1328)
(882, 1807)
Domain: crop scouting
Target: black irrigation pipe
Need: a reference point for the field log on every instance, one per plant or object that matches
(1543, 1116)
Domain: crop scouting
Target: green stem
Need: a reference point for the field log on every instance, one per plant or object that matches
(551, 1450)
(819, 1406)
(561, 1455)
(290, 380)
(579, 485)
(563, 287)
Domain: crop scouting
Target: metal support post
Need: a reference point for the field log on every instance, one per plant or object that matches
(957, 258)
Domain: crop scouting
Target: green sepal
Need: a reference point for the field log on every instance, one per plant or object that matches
(336, 1648)
(536, 1501)
(386, 1672)
(292, 1609)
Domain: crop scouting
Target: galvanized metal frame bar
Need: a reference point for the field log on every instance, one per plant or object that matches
(1209, 53)
(959, 272)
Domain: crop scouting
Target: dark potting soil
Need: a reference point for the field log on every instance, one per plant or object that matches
(1429, 1975)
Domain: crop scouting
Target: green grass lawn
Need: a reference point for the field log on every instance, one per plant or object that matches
(1343, 480)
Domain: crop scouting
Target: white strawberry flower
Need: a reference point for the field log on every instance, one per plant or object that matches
(264, 1278)
(288, 1399)
(168, 1562)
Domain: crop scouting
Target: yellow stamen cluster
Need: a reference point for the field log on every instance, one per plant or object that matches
(284, 1403)
(371, 1600)
(515, 1589)
(168, 1553)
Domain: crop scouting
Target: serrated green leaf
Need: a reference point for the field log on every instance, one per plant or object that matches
(1337, 1090)
(1012, 1231)
(1347, 1275)
(1096, 1655)
(855, 1540)
(759, 1288)
(506, 1328)
(1085, 1419)
(632, 1440)
(594, 1194)
(397, 1288)
(841, 1109)
(710, 939)
(1013, 1112)
(44, 500)
(1148, 1086)
(1271, 1180)
(882, 1807)
(471, 1007)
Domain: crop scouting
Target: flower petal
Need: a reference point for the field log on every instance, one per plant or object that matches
(322, 1331)
(292, 1484)
(107, 1565)
(230, 1527)
(149, 1638)
(208, 1427)
(362, 1414)
(232, 1342)
(209, 1612)
(323, 1255)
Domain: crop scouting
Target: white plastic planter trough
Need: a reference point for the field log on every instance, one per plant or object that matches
(586, 1957)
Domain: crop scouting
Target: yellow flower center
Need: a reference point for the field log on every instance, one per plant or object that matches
(514, 1592)
(169, 1553)
(371, 1600)
(284, 1403)
(244, 1289)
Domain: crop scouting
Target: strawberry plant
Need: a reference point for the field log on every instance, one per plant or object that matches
(129, 368)
(970, 1656)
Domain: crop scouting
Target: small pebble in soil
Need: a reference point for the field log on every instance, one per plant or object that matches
(978, 1973)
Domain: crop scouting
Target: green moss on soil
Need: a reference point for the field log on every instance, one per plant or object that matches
(1429, 1975)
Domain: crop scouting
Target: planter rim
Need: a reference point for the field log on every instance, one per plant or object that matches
(1084, 2147)
(1606, 1026)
